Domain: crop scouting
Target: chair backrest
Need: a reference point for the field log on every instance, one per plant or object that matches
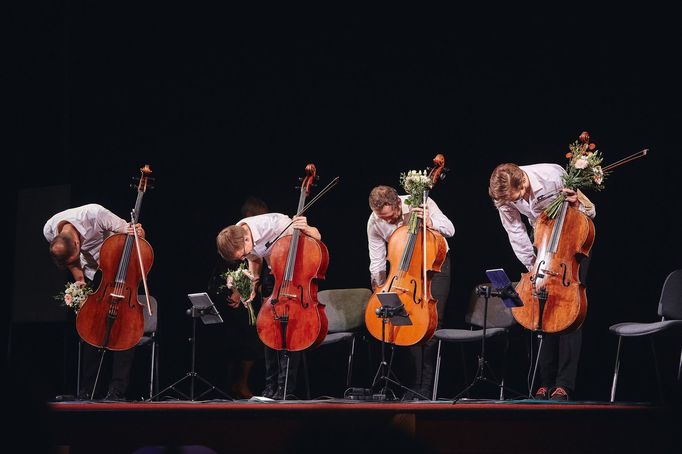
(499, 315)
(670, 304)
(150, 321)
(345, 308)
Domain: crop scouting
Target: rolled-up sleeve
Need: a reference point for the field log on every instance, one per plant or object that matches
(518, 235)
(377, 251)
(440, 222)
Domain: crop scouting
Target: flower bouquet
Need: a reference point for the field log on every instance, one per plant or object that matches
(415, 182)
(582, 171)
(74, 295)
(241, 280)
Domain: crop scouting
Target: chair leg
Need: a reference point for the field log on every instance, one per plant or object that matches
(304, 358)
(435, 379)
(679, 368)
(349, 374)
(656, 369)
(78, 371)
(152, 367)
(504, 365)
(157, 372)
(615, 371)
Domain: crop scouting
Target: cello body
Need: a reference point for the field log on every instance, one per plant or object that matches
(405, 278)
(115, 300)
(295, 296)
(560, 244)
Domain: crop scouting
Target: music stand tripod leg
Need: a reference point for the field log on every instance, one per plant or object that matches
(192, 375)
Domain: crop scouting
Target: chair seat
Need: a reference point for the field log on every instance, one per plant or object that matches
(465, 335)
(144, 340)
(643, 329)
(336, 337)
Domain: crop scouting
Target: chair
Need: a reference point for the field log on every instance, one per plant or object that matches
(345, 310)
(670, 311)
(499, 320)
(149, 339)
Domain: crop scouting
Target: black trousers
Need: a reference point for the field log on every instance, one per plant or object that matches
(276, 369)
(121, 364)
(560, 354)
(422, 358)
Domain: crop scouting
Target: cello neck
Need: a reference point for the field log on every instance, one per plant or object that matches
(558, 227)
(134, 216)
(293, 246)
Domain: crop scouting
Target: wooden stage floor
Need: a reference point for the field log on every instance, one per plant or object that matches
(338, 425)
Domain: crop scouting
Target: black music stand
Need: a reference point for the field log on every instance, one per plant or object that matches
(503, 288)
(391, 310)
(203, 308)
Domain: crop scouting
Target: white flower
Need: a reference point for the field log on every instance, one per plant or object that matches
(598, 175)
(74, 295)
(580, 163)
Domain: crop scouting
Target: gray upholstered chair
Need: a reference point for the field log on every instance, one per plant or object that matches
(499, 320)
(670, 312)
(345, 309)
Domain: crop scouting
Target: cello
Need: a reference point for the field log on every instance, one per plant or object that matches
(554, 299)
(111, 317)
(292, 318)
(414, 253)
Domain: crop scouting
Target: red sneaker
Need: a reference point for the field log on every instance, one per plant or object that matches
(559, 393)
(542, 393)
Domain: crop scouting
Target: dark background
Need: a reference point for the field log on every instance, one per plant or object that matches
(226, 103)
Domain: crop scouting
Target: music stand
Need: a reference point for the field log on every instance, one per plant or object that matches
(203, 308)
(503, 288)
(392, 310)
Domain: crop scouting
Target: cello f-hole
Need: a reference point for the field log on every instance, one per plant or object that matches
(563, 278)
(300, 292)
(414, 291)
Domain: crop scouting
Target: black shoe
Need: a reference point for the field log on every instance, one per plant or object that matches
(83, 395)
(114, 395)
(560, 393)
(412, 395)
(279, 395)
(269, 392)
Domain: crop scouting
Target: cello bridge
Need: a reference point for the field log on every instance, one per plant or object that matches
(289, 295)
(550, 272)
(113, 295)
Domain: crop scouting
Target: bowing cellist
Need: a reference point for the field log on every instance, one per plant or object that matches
(76, 236)
(248, 240)
(390, 211)
(527, 190)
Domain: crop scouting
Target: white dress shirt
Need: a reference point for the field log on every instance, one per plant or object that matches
(378, 232)
(265, 228)
(544, 179)
(94, 223)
